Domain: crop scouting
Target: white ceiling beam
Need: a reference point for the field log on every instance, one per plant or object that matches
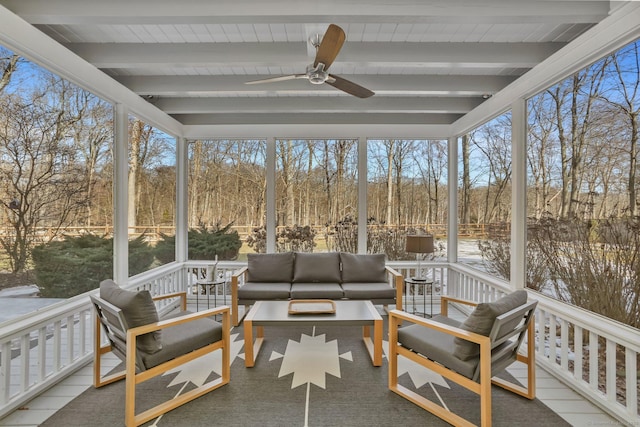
(389, 119)
(465, 85)
(318, 105)
(90, 12)
(423, 55)
(304, 131)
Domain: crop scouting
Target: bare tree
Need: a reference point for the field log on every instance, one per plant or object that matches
(45, 185)
(624, 96)
(8, 65)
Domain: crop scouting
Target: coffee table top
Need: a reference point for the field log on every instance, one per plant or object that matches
(347, 313)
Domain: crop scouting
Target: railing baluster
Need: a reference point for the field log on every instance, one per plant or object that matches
(57, 343)
(70, 339)
(25, 344)
(610, 363)
(5, 372)
(631, 381)
(593, 361)
(564, 345)
(553, 355)
(42, 353)
(541, 318)
(577, 350)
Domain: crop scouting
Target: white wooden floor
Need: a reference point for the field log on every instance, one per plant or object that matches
(561, 399)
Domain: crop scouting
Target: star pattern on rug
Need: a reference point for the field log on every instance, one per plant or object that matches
(419, 374)
(197, 371)
(310, 360)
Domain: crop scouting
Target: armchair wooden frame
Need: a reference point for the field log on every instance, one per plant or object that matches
(112, 320)
(481, 383)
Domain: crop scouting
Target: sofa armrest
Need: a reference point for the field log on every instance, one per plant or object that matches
(237, 277)
(396, 281)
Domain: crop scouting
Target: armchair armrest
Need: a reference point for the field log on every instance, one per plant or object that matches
(396, 280)
(132, 333)
(182, 295)
(396, 317)
(445, 300)
(235, 283)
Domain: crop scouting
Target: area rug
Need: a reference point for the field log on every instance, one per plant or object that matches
(304, 376)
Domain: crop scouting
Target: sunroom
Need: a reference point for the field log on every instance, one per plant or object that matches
(519, 117)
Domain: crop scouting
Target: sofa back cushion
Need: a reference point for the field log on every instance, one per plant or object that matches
(270, 267)
(481, 321)
(138, 310)
(317, 268)
(363, 268)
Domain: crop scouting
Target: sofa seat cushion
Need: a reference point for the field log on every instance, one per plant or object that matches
(437, 345)
(183, 338)
(365, 290)
(317, 268)
(363, 268)
(316, 291)
(257, 291)
(138, 309)
(277, 268)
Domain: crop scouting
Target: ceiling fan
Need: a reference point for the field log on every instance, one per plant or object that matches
(317, 73)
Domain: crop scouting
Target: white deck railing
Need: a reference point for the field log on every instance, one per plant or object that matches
(595, 356)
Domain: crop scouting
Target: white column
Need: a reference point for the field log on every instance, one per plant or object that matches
(452, 184)
(182, 200)
(120, 195)
(271, 194)
(362, 195)
(519, 194)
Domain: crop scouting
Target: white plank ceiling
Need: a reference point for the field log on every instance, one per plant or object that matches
(428, 61)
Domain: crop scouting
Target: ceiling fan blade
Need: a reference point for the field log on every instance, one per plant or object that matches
(349, 87)
(277, 79)
(330, 45)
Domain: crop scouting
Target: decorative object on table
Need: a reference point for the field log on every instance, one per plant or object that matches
(312, 306)
(211, 274)
(419, 244)
(212, 279)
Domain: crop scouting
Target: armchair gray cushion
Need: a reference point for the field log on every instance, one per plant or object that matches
(363, 268)
(317, 268)
(138, 309)
(184, 338)
(436, 345)
(481, 320)
(270, 267)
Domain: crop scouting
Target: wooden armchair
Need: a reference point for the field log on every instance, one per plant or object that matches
(468, 353)
(150, 347)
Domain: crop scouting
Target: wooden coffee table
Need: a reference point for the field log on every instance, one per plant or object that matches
(347, 313)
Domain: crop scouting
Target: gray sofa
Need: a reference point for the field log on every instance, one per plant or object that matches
(300, 275)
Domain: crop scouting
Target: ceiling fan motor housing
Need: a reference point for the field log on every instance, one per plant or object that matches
(317, 75)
